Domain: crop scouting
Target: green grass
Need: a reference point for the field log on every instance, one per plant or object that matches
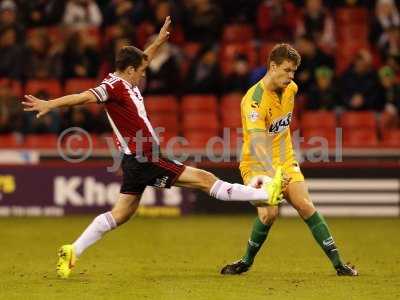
(181, 258)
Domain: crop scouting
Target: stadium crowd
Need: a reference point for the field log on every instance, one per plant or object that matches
(350, 52)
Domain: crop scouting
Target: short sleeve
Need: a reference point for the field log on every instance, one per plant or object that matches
(253, 112)
(101, 92)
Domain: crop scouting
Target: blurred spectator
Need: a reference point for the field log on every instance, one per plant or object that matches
(11, 58)
(203, 21)
(393, 62)
(82, 13)
(239, 11)
(204, 75)
(8, 18)
(238, 80)
(276, 20)
(49, 123)
(360, 83)
(42, 12)
(10, 111)
(43, 60)
(316, 21)
(78, 116)
(351, 3)
(124, 12)
(386, 16)
(163, 72)
(389, 44)
(390, 97)
(165, 8)
(81, 58)
(324, 93)
(162, 9)
(311, 58)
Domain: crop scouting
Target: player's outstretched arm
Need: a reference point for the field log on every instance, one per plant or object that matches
(42, 107)
(162, 37)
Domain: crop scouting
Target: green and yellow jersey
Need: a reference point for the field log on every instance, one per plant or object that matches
(264, 111)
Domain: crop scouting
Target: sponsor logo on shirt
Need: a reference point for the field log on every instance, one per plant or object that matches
(253, 116)
(281, 124)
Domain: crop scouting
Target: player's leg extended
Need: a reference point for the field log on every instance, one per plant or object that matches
(225, 191)
(297, 195)
(125, 207)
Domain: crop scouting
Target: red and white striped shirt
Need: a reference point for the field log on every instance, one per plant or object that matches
(127, 115)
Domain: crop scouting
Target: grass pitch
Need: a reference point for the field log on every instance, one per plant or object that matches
(180, 258)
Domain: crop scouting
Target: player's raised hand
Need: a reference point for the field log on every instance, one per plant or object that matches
(164, 33)
(35, 104)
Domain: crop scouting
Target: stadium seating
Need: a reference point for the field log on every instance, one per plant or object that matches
(161, 104)
(50, 86)
(358, 120)
(318, 119)
(364, 138)
(191, 49)
(200, 121)
(163, 112)
(143, 32)
(294, 123)
(351, 14)
(200, 139)
(351, 34)
(93, 35)
(391, 138)
(264, 51)
(15, 86)
(42, 141)
(237, 33)
(198, 103)
(77, 85)
(167, 121)
(10, 141)
(229, 52)
(312, 137)
(230, 111)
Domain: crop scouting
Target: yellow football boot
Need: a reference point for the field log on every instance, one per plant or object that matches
(66, 260)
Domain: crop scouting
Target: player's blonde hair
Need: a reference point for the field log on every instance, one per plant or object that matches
(282, 52)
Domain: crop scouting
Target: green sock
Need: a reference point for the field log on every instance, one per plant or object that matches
(257, 238)
(321, 233)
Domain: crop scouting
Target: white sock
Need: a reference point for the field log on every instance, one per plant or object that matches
(99, 226)
(226, 191)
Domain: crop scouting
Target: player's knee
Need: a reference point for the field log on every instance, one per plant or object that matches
(122, 215)
(305, 208)
(267, 216)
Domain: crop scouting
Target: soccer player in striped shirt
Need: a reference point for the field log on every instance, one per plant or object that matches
(141, 166)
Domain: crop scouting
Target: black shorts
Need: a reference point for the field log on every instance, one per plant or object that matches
(137, 175)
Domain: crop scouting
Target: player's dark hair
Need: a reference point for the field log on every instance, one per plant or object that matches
(129, 56)
(282, 52)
